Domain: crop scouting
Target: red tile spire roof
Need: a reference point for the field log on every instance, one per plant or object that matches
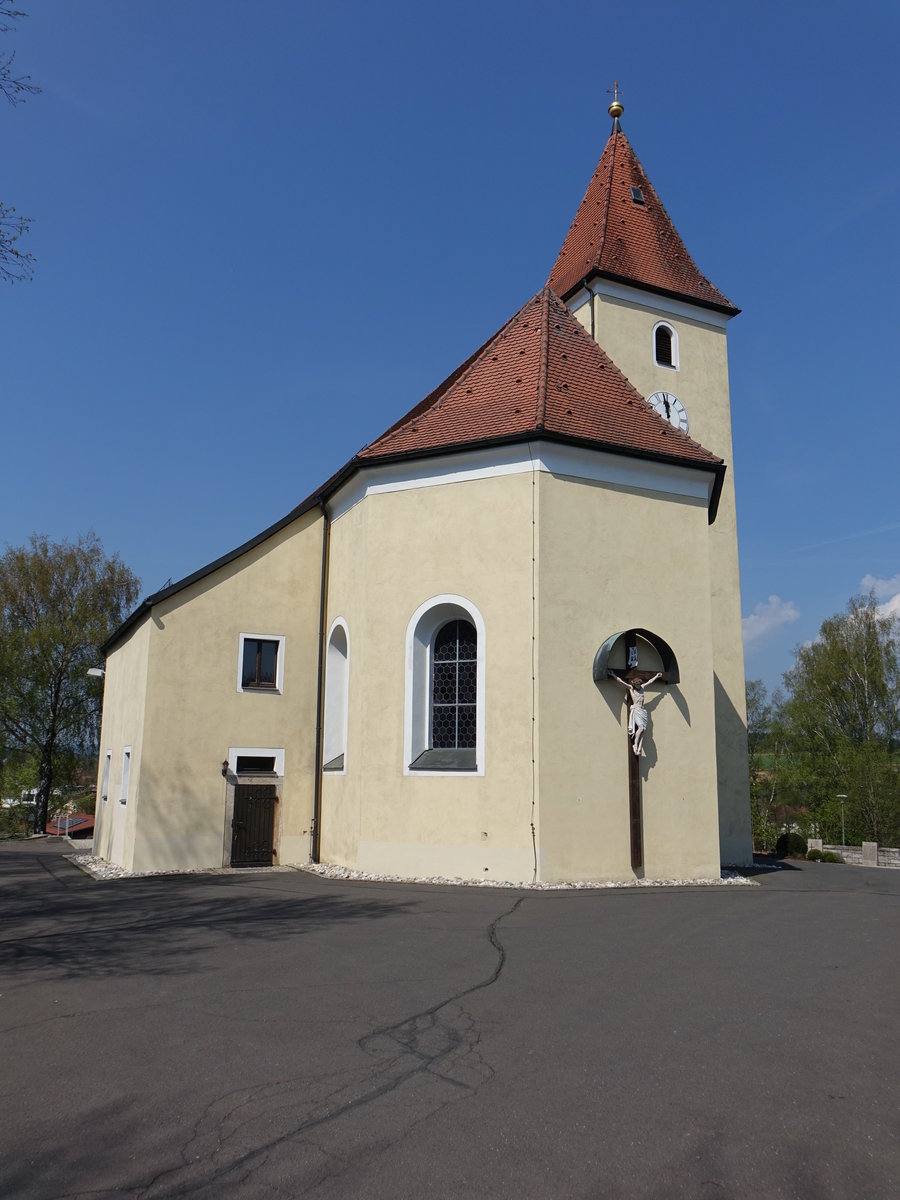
(616, 236)
(541, 375)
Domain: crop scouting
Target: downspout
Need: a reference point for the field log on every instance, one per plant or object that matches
(316, 831)
(534, 731)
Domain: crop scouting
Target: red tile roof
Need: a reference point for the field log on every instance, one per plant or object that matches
(636, 243)
(80, 823)
(540, 375)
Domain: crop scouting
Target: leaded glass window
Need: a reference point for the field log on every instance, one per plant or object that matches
(454, 675)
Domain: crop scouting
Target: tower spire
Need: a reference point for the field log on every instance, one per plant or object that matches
(615, 109)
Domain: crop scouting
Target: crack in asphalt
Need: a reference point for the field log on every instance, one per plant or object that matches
(440, 1044)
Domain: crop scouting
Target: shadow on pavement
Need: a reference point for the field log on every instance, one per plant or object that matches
(56, 919)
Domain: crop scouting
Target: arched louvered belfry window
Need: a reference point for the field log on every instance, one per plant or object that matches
(454, 671)
(663, 346)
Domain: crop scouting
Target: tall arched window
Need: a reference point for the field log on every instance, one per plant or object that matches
(665, 345)
(454, 673)
(444, 711)
(337, 680)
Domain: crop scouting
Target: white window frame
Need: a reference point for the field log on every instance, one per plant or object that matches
(279, 663)
(337, 698)
(420, 633)
(673, 333)
(104, 778)
(234, 752)
(126, 775)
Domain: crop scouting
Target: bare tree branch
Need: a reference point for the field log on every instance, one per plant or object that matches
(16, 266)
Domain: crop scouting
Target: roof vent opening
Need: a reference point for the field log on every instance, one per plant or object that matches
(637, 195)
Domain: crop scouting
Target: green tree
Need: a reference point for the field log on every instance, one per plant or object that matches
(14, 264)
(842, 721)
(763, 785)
(59, 602)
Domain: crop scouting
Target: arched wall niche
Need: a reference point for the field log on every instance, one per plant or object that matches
(653, 654)
(337, 694)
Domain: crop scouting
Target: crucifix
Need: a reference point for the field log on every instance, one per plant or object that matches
(635, 680)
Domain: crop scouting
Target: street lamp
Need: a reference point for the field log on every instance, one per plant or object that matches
(842, 796)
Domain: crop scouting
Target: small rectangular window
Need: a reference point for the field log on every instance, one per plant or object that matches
(255, 764)
(637, 195)
(260, 667)
(104, 786)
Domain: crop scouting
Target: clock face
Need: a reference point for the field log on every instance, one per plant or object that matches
(671, 409)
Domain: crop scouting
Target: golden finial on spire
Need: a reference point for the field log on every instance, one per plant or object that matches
(617, 107)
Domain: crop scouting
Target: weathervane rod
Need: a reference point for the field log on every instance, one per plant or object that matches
(615, 109)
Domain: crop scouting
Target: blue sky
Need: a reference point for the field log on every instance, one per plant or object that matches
(265, 230)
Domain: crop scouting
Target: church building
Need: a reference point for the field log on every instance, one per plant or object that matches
(550, 688)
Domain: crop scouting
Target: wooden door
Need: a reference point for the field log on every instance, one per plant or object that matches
(253, 825)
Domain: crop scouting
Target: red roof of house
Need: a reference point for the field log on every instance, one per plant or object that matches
(541, 375)
(614, 236)
(77, 823)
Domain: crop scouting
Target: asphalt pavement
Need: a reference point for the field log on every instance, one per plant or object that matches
(258, 1035)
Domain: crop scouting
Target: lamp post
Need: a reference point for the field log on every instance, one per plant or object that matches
(842, 796)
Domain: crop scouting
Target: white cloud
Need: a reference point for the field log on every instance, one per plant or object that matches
(890, 608)
(766, 620)
(881, 587)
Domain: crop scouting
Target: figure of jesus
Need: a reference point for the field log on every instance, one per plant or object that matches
(638, 717)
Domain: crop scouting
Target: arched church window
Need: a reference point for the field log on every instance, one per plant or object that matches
(444, 707)
(454, 673)
(337, 680)
(665, 345)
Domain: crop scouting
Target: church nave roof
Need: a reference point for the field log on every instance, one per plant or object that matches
(541, 375)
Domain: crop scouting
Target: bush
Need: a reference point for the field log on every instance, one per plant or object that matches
(793, 844)
(814, 855)
(830, 856)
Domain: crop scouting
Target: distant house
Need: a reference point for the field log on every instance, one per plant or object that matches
(73, 825)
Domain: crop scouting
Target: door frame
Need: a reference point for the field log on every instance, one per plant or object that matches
(231, 778)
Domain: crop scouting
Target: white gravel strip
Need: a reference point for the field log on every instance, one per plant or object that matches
(100, 869)
(329, 871)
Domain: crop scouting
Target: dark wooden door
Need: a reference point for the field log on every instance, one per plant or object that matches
(253, 825)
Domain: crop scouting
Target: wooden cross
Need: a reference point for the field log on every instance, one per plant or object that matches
(635, 820)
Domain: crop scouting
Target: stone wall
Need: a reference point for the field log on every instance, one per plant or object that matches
(869, 854)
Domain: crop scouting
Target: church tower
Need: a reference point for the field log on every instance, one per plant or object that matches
(625, 274)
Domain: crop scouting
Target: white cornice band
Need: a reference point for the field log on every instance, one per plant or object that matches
(574, 462)
(633, 295)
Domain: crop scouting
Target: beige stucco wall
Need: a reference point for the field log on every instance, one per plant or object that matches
(612, 559)
(194, 712)
(391, 553)
(124, 703)
(624, 329)
(552, 565)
